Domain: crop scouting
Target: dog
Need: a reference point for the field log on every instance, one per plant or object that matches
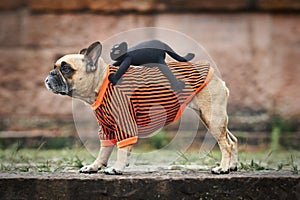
(84, 76)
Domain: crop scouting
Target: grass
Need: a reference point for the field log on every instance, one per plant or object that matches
(40, 160)
(71, 159)
(270, 160)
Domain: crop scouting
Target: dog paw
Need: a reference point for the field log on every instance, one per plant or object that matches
(219, 170)
(88, 169)
(112, 171)
(233, 168)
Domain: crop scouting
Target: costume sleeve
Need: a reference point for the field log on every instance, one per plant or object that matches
(107, 138)
(122, 111)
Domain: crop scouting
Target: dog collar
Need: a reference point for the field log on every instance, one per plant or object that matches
(101, 92)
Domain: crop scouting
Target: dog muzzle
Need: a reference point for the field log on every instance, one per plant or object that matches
(55, 83)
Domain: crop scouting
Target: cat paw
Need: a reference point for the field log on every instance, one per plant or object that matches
(112, 78)
(178, 87)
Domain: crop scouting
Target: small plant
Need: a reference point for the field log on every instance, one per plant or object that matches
(77, 162)
(253, 166)
(44, 167)
(295, 169)
(294, 166)
(291, 164)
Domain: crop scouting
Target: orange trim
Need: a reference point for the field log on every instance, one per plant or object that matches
(101, 93)
(107, 143)
(208, 78)
(127, 142)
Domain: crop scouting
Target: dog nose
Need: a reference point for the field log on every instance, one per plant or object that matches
(53, 72)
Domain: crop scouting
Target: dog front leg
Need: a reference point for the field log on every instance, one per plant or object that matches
(122, 161)
(101, 161)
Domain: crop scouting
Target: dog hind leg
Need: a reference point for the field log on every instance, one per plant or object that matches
(234, 152)
(212, 102)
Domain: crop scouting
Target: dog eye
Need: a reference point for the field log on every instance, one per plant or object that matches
(65, 68)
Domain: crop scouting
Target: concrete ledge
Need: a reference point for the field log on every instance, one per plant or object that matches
(174, 184)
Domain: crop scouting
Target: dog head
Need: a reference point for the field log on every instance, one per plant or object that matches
(74, 74)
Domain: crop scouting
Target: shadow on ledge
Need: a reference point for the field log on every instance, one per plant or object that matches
(175, 184)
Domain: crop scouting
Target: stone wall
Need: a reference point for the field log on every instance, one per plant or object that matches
(110, 6)
(257, 52)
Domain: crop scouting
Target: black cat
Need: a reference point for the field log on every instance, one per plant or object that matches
(147, 53)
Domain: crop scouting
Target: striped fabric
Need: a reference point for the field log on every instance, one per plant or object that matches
(143, 101)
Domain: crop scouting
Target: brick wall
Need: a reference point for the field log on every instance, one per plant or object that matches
(110, 6)
(257, 52)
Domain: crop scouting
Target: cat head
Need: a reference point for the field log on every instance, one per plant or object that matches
(118, 50)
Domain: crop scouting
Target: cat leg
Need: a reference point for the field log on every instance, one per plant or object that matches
(114, 78)
(177, 85)
(118, 63)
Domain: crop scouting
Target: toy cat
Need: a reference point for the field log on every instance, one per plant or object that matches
(147, 53)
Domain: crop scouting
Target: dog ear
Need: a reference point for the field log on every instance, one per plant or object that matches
(82, 51)
(92, 55)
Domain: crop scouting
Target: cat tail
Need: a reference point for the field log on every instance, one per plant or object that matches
(177, 57)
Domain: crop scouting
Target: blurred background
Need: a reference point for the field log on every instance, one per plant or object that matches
(255, 44)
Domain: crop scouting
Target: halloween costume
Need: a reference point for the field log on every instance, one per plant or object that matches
(144, 101)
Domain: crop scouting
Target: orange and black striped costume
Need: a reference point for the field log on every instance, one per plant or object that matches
(143, 101)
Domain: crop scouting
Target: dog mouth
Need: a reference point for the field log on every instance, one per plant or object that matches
(69, 93)
(56, 85)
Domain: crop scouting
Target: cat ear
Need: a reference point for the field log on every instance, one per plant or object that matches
(92, 55)
(123, 47)
(82, 51)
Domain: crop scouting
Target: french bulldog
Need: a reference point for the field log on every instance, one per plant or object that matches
(82, 76)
